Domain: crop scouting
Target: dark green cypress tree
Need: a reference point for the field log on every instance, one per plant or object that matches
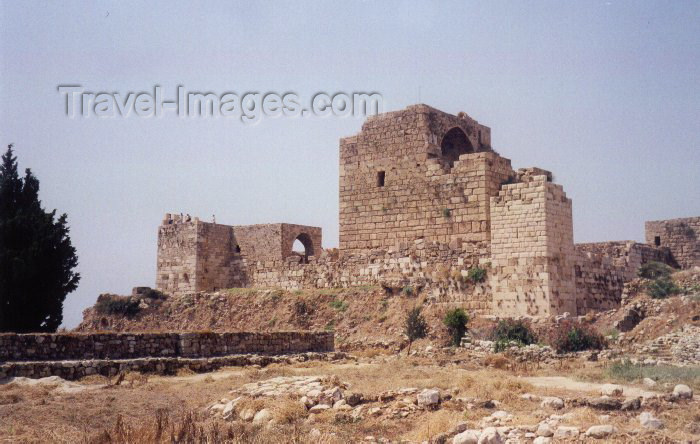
(37, 260)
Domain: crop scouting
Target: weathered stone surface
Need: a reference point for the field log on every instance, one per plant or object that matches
(600, 431)
(552, 402)
(682, 391)
(649, 421)
(467, 437)
(428, 398)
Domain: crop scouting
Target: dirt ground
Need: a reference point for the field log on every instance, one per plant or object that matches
(175, 409)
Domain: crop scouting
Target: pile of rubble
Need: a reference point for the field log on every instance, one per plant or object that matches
(680, 347)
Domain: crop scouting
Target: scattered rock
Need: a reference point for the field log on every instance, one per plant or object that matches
(604, 403)
(631, 404)
(490, 435)
(600, 431)
(544, 429)
(262, 417)
(552, 402)
(564, 432)
(428, 398)
(611, 390)
(247, 414)
(649, 421)
(318, 408)
(682, 391)
(648, 382)
(467, 437)
(542, 440)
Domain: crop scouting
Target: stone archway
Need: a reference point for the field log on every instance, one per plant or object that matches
(454, 144)
(303, 247)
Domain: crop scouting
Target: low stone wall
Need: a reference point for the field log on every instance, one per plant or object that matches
(72, 346)
(72, 370)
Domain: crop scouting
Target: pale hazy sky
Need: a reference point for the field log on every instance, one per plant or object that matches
(606, 94)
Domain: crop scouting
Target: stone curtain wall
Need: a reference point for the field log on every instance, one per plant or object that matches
(602, 268)
(680, 236)
(395, 185)
(435, 268)
(76, 346)
(532, 249)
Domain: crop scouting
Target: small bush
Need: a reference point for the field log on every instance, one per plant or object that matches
(415, 327)
(446, 212)
(111, 304)
(572, 337)
(654, 270)
(407, 290)
(339, 305)
(456, 323)
(476, 274)
(662, 288)
(509, 332)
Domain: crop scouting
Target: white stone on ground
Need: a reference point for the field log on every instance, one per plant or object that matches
(428, 398)
(649, 421)
(564, 432)
(467, 437)
(682, 391)
(600, 431)
(611, 390)
(490, 435)
(552, 402)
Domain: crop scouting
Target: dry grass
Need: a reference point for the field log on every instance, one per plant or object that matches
(434, 423)
(173, 409)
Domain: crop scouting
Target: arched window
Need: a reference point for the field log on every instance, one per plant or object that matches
(303, 247)
(454, 144)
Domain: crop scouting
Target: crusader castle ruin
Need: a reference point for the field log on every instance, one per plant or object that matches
(423, 199)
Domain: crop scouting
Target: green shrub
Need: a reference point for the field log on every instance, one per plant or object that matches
(509, 332)
(654, 270)
(456, 323)
(407, 290)
(446, 212)
(572, 337)
(662, 288)
(111, 304)
(339, 305)
(476, 274)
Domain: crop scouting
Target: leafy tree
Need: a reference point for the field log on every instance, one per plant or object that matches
(416, 327)
(456, 323)
(36, 256)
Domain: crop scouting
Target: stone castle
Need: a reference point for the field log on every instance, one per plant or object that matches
(424, 199)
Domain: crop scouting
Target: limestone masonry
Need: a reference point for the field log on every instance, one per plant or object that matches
(424, 198)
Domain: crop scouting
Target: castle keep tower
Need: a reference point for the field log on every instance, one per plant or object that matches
(418, 173)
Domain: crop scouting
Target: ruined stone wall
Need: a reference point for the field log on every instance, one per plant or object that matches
(202, 256)
(219, 265)
(437, 270)
(398, 184)
(62, 346)
(532, 249)
(680, 236)
(602, 268)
